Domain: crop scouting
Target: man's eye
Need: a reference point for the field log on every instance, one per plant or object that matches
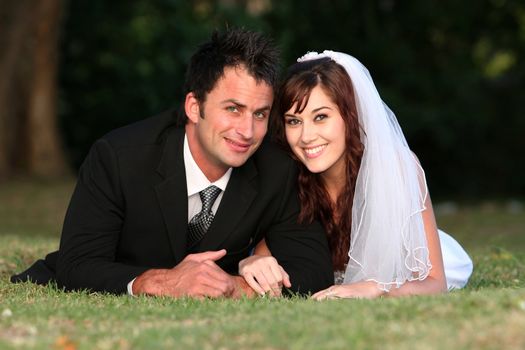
(232, 109)
(260, 115)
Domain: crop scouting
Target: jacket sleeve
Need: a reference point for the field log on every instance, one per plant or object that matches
(301, 249)
(92, 228)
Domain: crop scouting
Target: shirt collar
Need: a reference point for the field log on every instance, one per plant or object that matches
(196, 181)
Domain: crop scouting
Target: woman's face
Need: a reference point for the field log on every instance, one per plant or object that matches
(317, 134)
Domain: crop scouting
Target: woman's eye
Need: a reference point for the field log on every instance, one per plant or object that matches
(320, 117)
(292, 121)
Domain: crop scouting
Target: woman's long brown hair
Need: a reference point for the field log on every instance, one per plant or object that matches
(315, 201)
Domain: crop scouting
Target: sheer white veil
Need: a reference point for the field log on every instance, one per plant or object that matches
(388, 243)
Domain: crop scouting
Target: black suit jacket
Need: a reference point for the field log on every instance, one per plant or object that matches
(129, 213)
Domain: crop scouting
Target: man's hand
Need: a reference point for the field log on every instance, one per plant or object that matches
(196, 276)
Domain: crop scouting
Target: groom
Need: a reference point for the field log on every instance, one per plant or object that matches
(171, 204)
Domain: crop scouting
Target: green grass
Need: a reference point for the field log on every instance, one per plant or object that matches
(488, 314)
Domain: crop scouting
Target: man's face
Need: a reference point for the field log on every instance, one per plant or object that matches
(233, 124)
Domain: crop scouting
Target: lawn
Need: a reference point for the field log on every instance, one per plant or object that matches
(488, 314)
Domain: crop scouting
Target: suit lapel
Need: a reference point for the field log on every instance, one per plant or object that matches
(172, 193)
(239, 194)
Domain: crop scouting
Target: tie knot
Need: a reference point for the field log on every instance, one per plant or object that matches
(208, 197)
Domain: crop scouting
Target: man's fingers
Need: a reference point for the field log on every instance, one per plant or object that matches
(209, 255)
(204, 273)
(221, 289)
(207, 291)
(212, 270)
(209, 279)
(211, 263)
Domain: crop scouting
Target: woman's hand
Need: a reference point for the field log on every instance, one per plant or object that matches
(264, 274)
(358, 290)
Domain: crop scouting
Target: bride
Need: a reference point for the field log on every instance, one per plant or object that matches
(361, 181)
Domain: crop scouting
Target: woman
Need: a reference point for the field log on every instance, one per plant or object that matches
(361, 181)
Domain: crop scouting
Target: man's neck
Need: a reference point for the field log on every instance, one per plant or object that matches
(213, 172)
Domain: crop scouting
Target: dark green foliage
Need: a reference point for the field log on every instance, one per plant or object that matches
(124, 61)
(450, 71)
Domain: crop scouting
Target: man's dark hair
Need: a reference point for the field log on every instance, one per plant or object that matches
(231, 48)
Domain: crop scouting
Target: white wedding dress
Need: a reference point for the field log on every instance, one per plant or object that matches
(458, 265)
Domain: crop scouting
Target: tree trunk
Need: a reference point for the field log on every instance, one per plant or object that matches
(29, 141)
(14, 31)
(44, 153)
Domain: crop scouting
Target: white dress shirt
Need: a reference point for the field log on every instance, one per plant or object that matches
(196, 181)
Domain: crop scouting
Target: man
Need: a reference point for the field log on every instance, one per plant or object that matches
(170, 207)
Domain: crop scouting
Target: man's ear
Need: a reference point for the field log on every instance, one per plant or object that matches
(192, 107)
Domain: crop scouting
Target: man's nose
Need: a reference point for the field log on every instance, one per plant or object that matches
(245, 126)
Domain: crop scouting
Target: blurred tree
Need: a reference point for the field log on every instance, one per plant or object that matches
(29, 141)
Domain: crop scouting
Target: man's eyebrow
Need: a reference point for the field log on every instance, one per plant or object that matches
(242, 105)
(234, 101)
(265, 108)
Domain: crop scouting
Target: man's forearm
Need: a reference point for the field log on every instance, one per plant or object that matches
(151, 282)
(196, 276)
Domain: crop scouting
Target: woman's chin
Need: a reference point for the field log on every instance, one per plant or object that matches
(315, 169)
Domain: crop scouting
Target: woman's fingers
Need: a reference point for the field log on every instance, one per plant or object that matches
(356, 290)
(286, 278)
(264, 273)
(250, 279)
(329, 293)
(260, 276)
(277, 277)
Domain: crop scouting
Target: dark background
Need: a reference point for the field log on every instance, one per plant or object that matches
(452, 71)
